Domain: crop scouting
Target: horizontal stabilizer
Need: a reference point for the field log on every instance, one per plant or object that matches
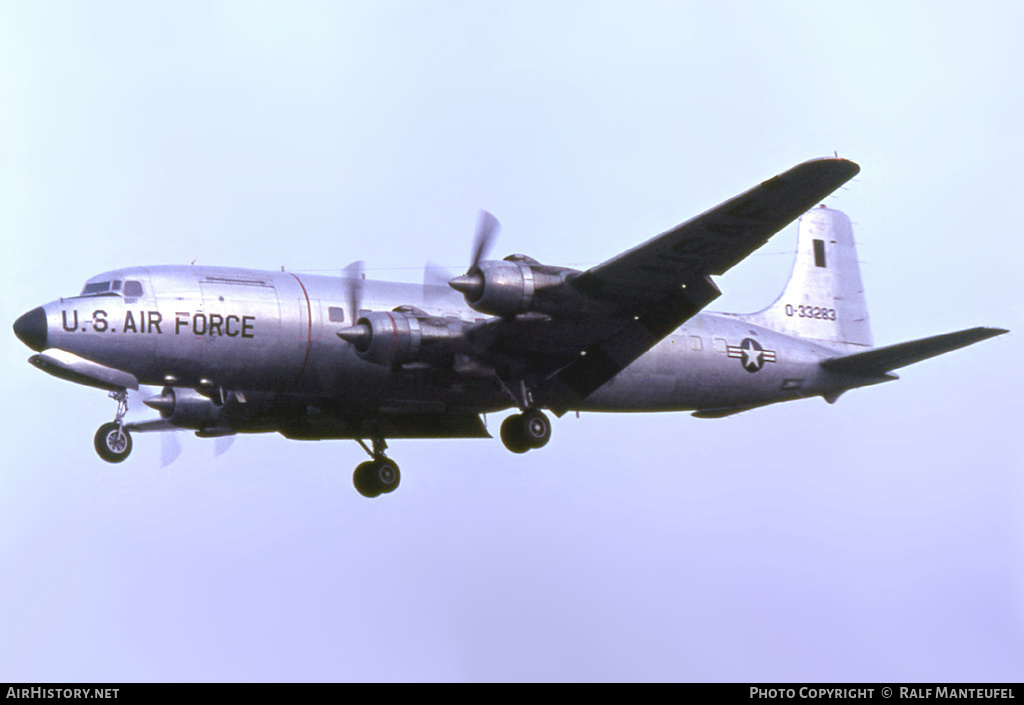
(881, 360)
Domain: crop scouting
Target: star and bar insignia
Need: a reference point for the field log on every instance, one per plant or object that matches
(752, 355)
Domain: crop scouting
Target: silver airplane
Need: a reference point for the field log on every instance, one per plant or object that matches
(330, 357)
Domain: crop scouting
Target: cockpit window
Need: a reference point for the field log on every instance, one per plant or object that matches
(96, 288)
(129, 288)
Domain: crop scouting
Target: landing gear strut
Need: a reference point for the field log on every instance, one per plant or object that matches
(526, 431)
(112, 441)
(379, 475)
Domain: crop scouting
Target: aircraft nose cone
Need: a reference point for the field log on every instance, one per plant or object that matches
(31, 329)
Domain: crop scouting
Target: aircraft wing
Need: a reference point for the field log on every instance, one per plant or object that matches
(658, 285)
(717, 240)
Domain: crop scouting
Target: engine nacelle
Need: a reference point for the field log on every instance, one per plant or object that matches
(185, 407)
(519, 284)
(405, 335)
(504, 288)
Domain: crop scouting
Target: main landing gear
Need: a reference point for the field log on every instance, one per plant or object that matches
(526, 431)
(112, 441)
(379, 475)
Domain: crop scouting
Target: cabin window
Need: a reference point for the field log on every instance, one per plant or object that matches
(695, 343)
(132, 288)
(336, 314)
(720, 345)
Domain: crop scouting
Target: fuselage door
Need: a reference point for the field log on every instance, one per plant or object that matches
(239, 322)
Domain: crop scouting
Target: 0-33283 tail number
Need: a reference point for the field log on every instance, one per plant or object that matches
(819, 312)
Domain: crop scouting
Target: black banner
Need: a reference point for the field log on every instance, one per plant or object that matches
(880, 692)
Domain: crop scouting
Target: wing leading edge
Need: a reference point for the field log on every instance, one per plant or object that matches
(717, 240)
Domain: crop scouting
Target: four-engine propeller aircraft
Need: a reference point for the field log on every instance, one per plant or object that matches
(325, 357)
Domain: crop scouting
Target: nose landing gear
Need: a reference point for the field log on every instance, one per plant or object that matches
(112, 441)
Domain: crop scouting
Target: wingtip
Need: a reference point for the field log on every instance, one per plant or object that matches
(847, 165)
(833, 169)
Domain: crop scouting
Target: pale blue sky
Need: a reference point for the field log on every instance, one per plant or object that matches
(878, 539)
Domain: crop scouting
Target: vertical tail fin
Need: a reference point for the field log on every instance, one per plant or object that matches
(824, 299)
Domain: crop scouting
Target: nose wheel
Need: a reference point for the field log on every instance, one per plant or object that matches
(379, 475)
(113, 443)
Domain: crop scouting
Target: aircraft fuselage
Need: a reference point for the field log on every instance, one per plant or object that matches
(275, 332)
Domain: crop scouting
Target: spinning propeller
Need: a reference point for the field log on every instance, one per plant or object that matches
(435, 283)
(170, 438)
(352, 276)
(472, 282)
